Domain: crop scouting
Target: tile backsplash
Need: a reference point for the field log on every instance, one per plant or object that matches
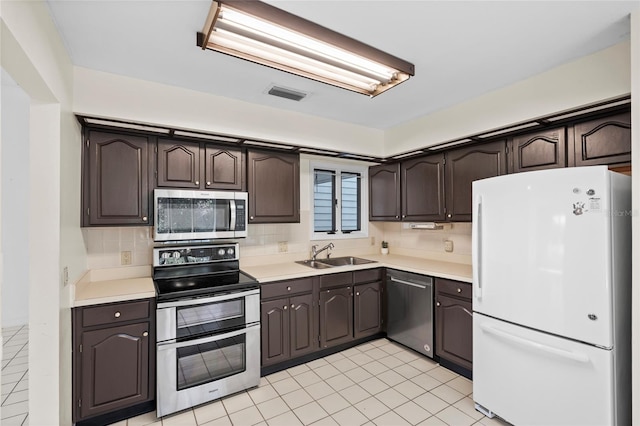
(268, 243)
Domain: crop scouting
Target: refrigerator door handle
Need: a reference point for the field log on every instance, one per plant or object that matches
(476, 252)
(574, 356)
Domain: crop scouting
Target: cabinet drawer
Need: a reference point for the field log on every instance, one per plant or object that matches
(367, 276)
(284, 288)
(454, 288)
(111, 314)
(335, 280)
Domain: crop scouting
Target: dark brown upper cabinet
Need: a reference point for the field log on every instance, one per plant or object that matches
(116, 179)
(193, 165)
(465, 165)
(274, 187)
(544, 149)
(605, 140)
(422, 187)
(384, 192)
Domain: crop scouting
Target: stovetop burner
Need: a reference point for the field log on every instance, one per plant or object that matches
(198, 271)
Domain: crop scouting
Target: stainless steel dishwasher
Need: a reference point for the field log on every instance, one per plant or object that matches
(410, 310)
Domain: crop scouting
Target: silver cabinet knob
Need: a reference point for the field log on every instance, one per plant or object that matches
(145, 334)
(449, 215)
(251, 218)
(459, 291)
(397, 217)
(285, 307)
(437, 303)
(197, 182)
(357, 293)
(208, 183)
(117, 315)
(288, 288)
(144, 218)
(293, 306)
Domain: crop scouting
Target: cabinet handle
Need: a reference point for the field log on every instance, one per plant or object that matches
(197, 182)
(208, 183)
(397, 217)
(145, 334)
(459, 291)
(285, 307)
(117, 315)
(144, 218)
(404, 215)
(357, 293)
(293, 306)
(288, 288)
(449, 215)
(437, 303)
(251, 218)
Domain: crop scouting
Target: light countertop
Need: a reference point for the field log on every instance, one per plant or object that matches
(94, 289)
(435, 268)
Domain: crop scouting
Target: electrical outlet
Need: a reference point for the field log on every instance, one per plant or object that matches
(65, 275)
(448, 245)
(125, 258)
(373, 241)
(283, 246)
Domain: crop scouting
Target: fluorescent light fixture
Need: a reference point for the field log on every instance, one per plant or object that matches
(450, 144)
(124, 125)
(408, 154)
(508, 129)
(205, 136)
(425, 225)
(268, 144)
(261, 33)
(588, 110)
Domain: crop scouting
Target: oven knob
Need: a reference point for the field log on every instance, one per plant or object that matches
(221, 252)
(166, 255)
(230, 252)
(176, 254)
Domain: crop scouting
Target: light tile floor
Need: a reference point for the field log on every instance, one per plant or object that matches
(15, 376)
(376, 383)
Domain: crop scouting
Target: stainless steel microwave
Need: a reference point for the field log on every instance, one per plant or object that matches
(182, 215)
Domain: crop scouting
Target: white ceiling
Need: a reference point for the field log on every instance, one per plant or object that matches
(461, 49)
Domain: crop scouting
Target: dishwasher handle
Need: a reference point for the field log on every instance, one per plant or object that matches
(399, 281)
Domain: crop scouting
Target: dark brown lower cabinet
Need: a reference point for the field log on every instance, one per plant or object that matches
(288, 328)
(367, 315)
(113, 362)
(336, 316)
(454, 322)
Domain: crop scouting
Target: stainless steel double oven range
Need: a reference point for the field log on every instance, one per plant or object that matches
(208, 325)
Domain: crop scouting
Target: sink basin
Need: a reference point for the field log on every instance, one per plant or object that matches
(345, 260)
(313, 264)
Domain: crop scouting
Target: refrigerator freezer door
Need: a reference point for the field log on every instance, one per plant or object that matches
(532, 378)
(542, 251)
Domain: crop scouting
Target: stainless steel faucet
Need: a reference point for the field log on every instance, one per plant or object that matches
(315, 252)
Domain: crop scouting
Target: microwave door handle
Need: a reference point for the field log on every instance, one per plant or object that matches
(232, 207)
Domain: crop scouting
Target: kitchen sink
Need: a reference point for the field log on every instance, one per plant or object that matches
(335, 261)
(313, 264)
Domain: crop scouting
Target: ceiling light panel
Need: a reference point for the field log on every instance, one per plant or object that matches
(261, 33)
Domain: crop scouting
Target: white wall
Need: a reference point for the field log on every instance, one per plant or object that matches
(602, 75)
(15, 196)
(107, 95)
(34, 55)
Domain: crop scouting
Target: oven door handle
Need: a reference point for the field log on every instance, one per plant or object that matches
(206, 300)
(203, 340)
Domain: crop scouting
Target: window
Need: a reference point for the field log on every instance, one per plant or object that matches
(338, 200)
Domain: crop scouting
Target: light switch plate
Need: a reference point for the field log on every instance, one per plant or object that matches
(448, 245)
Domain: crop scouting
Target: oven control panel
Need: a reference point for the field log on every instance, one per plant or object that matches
(184, 255)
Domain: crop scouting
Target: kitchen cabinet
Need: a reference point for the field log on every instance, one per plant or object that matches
(336, 316)
(116, 176)
(543, 149)
(463, 166)
(603, 140)
(274, 187)
(367, 309)
(289, 328)
(197, 165)
(113, 361)
(422, 184)
(454, 322)
(384, 192)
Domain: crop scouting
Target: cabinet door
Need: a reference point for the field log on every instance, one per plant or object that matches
(454, 330)
(537, 151)
(303, 334)
(423, 188)
(274, 187)
(224, 168)
(178, 164)
(275, 331)
(367, 309)
(114, 372)
(336, 316)
(602, 141)
(116, 184)
(384, 192)
(464, 165)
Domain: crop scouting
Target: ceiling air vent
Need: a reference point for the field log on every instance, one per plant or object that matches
(283, 92)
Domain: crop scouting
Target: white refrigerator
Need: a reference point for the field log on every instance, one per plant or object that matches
(552, 297)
